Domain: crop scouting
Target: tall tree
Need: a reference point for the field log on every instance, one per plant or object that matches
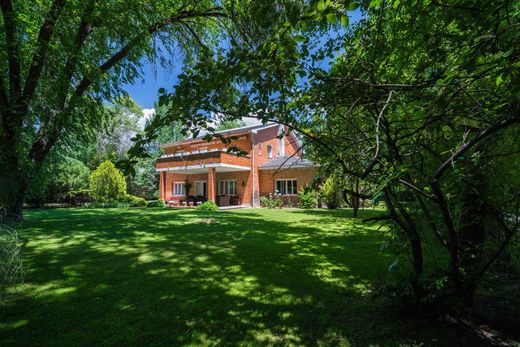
(420, 103)
(62, 58)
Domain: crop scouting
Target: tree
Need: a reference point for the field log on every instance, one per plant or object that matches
(230, 124)
(107, 183)
(62, 59)
(121, 124)
(330, 192)
(421, 108)
(58, 176)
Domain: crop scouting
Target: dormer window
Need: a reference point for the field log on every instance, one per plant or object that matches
(269, 151)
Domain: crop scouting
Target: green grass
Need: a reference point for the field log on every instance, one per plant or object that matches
(175, 277)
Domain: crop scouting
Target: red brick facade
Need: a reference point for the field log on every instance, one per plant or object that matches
(200, 161)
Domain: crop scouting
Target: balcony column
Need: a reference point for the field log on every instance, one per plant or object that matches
(212, 184)
(162, 185)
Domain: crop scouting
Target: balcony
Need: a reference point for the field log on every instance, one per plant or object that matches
(196, 162)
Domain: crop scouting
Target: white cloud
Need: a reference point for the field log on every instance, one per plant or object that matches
(147, 114)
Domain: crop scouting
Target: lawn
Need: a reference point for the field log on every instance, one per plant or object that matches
(176, 277)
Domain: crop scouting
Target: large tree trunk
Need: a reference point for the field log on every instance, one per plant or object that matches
(355, 199)
(13, 179)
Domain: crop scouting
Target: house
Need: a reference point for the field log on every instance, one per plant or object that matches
(197, 170)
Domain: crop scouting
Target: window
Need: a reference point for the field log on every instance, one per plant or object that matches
(269, 151)
(179, 189)
(286, 187)
(200, 188)
(259, 149)
(227, 187)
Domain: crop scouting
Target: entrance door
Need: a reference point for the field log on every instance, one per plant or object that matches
(201, 188)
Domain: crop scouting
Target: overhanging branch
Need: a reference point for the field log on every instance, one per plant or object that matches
(42, 45)
(214, 12)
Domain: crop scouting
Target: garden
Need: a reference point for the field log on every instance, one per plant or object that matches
(409, 109)
(187, 277)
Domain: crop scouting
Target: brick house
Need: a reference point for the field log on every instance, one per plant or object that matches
(196, 170)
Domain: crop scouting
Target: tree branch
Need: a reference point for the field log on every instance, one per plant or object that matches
(418, 190)
(12, 48)
(482, 135)
(376, 155)
(42, 45)
(214, 12)
(84, 29)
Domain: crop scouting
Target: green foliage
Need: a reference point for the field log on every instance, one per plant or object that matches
(419, 107)
(115, 204)
(62, 61)
(331, 192)
(78, 197)
(11, 270)
(135, 201)
(271, 201)
(307, 199)
(230, 124)
(207, 206)
(156, 203)
(59, 176)
(107, 183)
(145, 182)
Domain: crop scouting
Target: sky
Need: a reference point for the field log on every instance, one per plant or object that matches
(155, 76)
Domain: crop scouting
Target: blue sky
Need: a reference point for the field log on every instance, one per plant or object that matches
(155, 76)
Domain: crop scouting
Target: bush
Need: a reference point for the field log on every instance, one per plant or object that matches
(135, 201)
(156, 203)
(207, 206)
(331, 193)
(116, 204)
(71, 175)
(10, 258)
(307, 199)
(271, 201)
(78, 197)
(107, 184)
(37, 194)
(58, 177)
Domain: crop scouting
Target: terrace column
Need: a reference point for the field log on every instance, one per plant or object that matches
(212, 184)
(162, 185)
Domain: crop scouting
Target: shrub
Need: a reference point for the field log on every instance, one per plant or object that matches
(56, 179)
(331, 193)
(107, 183)
(71, 175)
(11, 271)
(207, 206)
(307, 199)
(271, 201)
(156, 203)
(115, 204)
(135, 201)
(78, 197)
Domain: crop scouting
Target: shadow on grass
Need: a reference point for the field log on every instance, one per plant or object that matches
(161, 277)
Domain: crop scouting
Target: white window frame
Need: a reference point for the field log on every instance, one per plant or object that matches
(259, 149)
(224, 187)
(195, 185)
(286, 186)
(269, 151)
(183, 189)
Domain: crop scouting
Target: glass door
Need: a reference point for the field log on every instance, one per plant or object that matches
(201, 188)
